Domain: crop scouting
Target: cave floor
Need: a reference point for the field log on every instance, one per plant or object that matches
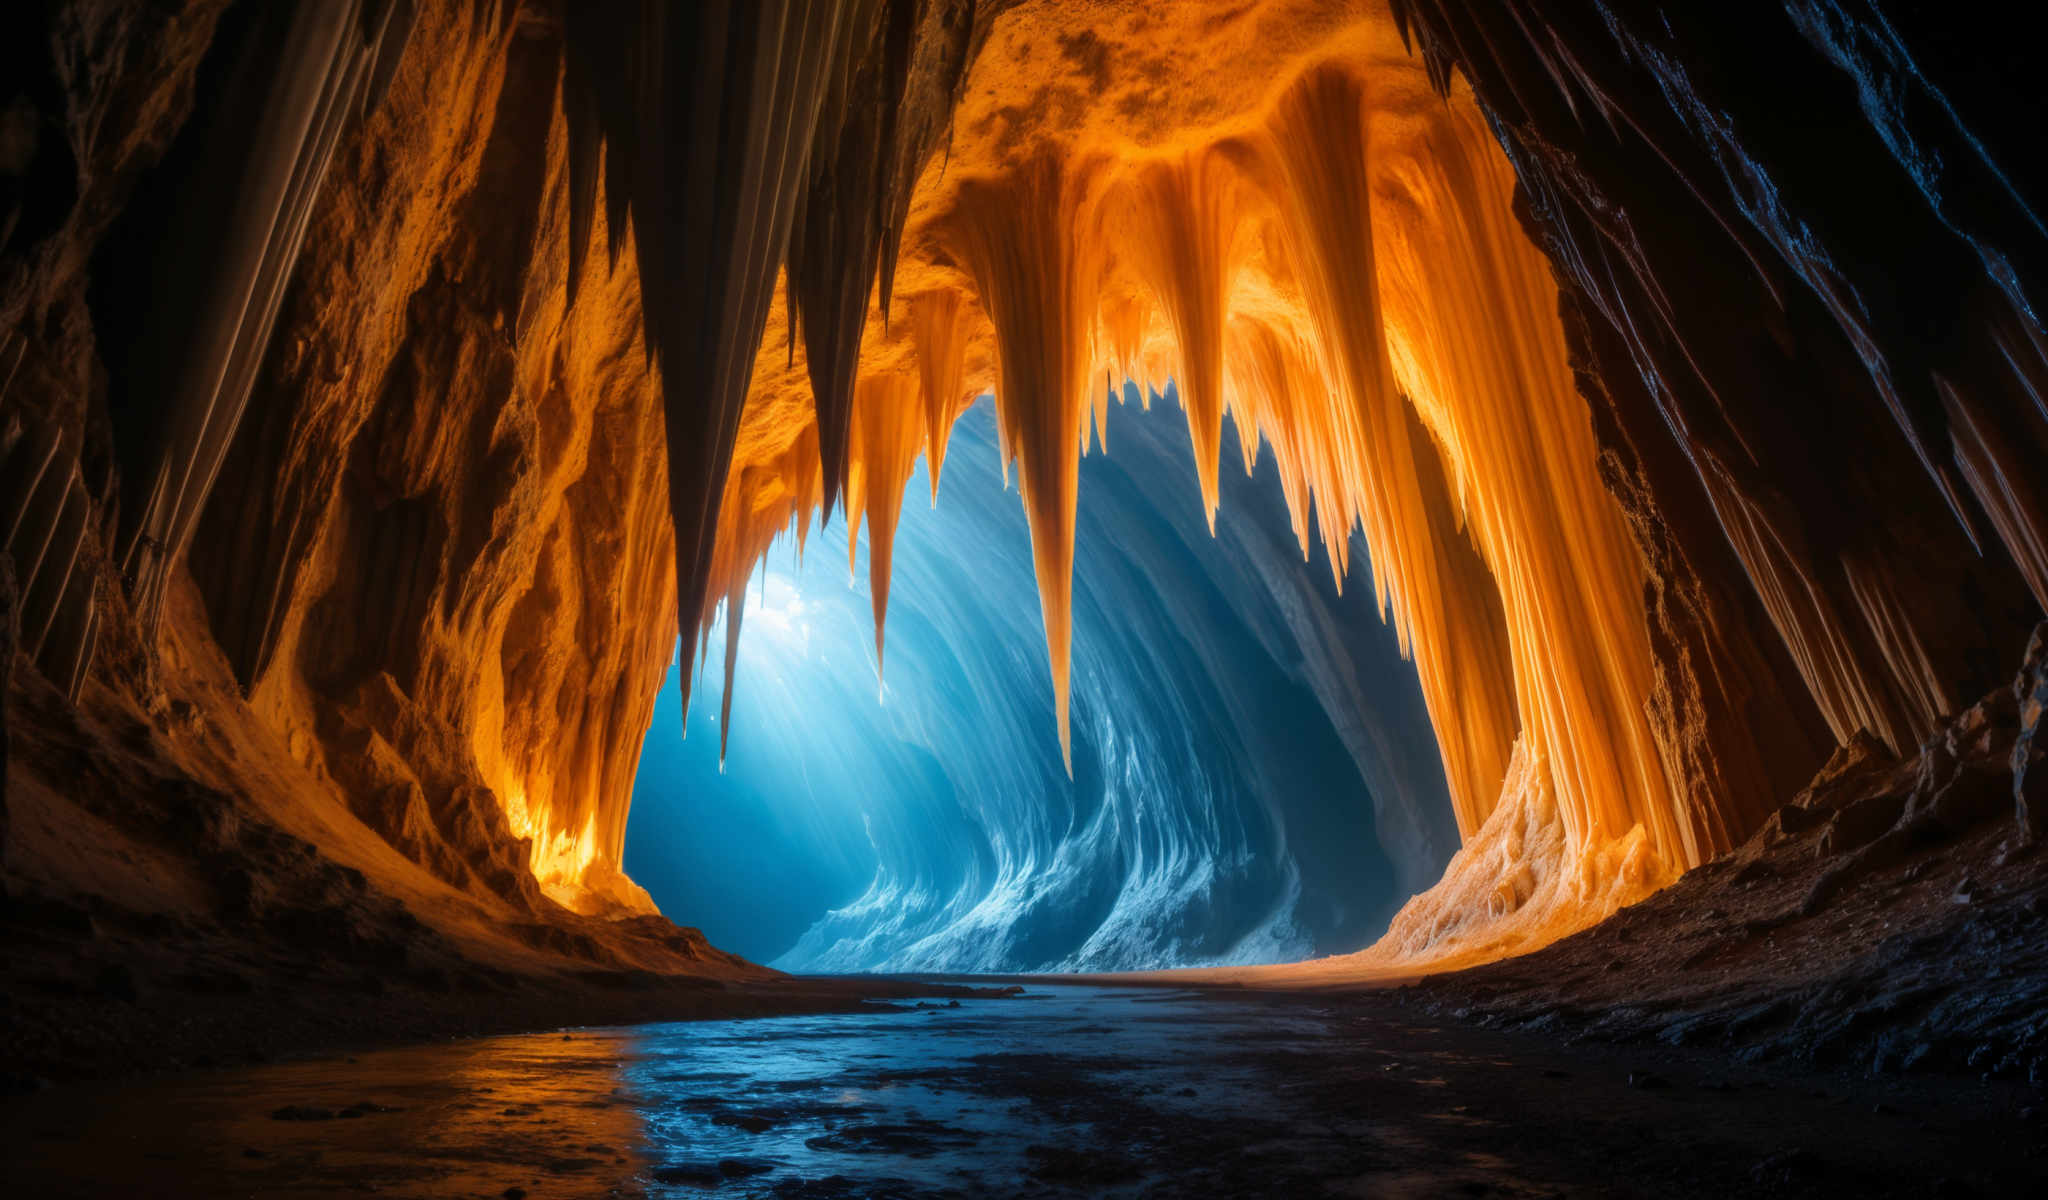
(1064, 1090)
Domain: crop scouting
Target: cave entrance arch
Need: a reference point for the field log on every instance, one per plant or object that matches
(1254, 776)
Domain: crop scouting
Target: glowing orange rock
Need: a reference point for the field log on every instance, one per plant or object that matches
(887, 434)
(1185, 228)
(1126, 315)
(1335, 262)
(938, 327)
(1030, 242)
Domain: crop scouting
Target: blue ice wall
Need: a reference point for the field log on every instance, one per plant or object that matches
(1254, 774)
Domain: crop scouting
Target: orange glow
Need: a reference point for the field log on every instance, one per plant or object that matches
(1334, 261)
(1031, 243)
(888, 432)
(1183, 226)
(939, 328)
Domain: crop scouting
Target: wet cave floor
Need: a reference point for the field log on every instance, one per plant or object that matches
(1065, 1090)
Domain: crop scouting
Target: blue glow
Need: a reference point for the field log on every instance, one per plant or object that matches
(1255, 778)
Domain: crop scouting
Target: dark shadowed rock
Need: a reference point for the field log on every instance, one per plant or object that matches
(2030, 748)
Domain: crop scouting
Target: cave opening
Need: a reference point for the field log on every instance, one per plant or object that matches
(1332, 259)
(1254, 776)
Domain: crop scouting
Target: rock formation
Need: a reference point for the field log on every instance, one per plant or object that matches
(387, 384)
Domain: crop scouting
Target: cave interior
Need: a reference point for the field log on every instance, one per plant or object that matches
(1520, 505)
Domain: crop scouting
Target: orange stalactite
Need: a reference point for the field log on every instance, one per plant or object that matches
(762, 501)
(939, 330)
(1367, 460)
(1335, 262)
(1125, 313)
(1098, 428)
(1312, 162)
(887, 435)
(1182, 220)
(1471, 317)
(1272, 381)
(1031, 243)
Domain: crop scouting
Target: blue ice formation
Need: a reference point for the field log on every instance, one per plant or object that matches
(1255, 778)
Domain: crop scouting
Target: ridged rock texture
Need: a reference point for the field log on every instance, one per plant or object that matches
(435, 555)
(438, 557)
(1691, 415)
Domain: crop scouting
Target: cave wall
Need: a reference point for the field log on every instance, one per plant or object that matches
(168, 801)
(97, 93)
(447, 472)
(437, 555)
(1798, 258)
(396, 395)
(94, 95)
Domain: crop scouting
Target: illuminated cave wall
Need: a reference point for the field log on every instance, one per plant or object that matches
(433, 551)
(438, 558)
(1680, 366)
(1254, 774)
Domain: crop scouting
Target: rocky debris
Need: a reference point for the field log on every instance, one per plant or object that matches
(1962, 779)
(1887, 919)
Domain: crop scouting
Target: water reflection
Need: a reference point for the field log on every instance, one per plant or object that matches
(1065, 1084)
(1066, 1091)
(1063, 1088)
(465, 1118)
